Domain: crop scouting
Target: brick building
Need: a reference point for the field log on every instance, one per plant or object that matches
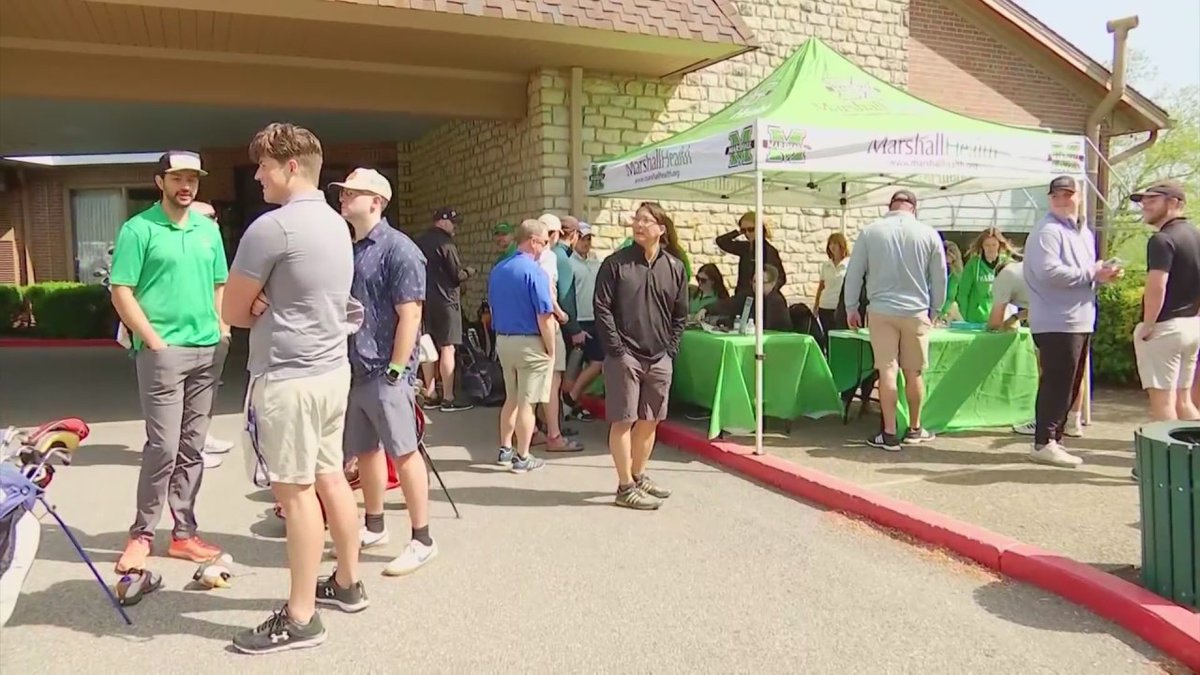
(494, 106)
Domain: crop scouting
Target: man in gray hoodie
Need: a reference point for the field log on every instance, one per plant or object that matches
(903, 264)
(1061, 273)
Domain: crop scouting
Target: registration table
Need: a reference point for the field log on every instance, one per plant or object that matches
(716, 371)
(975, 379)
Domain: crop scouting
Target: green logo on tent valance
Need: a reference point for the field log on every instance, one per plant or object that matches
(740, 150)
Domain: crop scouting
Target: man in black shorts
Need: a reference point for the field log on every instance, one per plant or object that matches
(641, 307)
(442, 313)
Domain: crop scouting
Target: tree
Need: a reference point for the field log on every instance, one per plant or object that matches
(1176, 155)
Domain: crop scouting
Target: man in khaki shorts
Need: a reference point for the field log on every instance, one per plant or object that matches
(1168, 338)
(290, 284)
(522, 304)
(903, 264)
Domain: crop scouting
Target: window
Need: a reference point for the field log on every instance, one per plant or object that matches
(97, 214)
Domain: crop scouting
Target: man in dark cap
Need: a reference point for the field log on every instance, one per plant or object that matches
(1061, 273)
(442, 315)
(1168, 338)
(903, 265)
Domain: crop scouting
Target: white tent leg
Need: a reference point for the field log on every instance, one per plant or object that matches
(758, 312)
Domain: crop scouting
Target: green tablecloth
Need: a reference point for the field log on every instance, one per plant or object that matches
(975, 379)
(716, 371)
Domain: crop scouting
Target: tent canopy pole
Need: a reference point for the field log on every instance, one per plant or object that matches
(759, 235)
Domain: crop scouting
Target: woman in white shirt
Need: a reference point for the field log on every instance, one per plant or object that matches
(833, 272)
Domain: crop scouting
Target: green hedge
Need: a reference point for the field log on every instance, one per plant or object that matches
(1120, 309)
(60, 310)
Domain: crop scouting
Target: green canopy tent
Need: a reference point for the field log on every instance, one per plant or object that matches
(820, 132)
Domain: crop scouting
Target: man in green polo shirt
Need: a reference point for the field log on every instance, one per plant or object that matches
(502, 234)
(168, 272)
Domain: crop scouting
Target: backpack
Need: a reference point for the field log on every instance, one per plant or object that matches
(481, 378)
(805, 323)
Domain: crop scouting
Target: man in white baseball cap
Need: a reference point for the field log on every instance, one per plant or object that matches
(367, 180)
(557, 268)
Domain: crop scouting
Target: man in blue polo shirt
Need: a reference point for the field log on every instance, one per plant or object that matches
(381, 413)
(523, 316)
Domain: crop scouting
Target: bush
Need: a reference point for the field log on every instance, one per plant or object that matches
(10, 305)
(1119, 310)
(61, 310)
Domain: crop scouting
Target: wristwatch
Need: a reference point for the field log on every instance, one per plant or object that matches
(393, 373)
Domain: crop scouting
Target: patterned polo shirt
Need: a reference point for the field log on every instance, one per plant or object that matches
(389, 270)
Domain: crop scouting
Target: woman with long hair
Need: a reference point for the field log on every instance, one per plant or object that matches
(670, 238)
(744, 250)
(985, 254)
(833, 273)
(954, 270)
(710, 287)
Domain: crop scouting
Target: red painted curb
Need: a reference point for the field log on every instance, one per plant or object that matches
(1172, 628)
(17, 343)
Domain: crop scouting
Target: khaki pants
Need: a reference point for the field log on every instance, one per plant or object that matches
(528, 369)
(900, 339)
(1168, 359)
(296, 425)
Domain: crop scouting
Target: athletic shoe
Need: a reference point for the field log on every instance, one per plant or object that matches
(430, 403)
(353, 599)
(1074, 427)
(651, 488)
(1053, 454)
(280, 633)
(193, 548)
(918, 436)
(211, 461)
(455, 406)
(526, 464)
(371, 539)
(217, 446)
(637, 499)
(1027, 429)
(504, 457)
(415, 556)
(134, 557)
(884, 441)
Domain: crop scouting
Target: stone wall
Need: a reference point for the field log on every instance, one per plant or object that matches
(493, 171)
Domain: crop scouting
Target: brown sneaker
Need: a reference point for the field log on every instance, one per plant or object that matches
(193, 548)
(635, 498)
(134, 557)
(651, 488)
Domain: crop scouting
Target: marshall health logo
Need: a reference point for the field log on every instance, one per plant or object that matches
(596, 178)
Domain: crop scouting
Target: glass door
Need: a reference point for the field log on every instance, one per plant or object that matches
(97, 214)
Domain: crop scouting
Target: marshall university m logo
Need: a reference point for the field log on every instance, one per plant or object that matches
(596, 178)
(741, 148)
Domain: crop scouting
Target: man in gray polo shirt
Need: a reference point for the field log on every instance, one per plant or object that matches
(290, 284)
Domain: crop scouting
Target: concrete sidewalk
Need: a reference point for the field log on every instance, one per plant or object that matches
(982, 477)
(541, 574)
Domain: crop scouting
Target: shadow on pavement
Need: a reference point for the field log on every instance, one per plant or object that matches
(79, 605)
(1010, 601)
(103, 454)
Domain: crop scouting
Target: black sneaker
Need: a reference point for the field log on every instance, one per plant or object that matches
(280, 633)
(353, 599)
(455, 406)
(431, 403)
(884, 441)
(918, 436)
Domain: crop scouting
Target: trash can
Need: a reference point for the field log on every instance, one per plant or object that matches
(1168, 467)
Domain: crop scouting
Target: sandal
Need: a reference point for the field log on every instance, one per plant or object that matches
(563, 444)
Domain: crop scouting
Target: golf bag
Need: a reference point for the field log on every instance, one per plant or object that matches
(805, 323)
(481, 376)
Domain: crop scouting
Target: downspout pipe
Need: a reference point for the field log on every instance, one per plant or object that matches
(578, 168)
(1134, 150)
(1119, 29)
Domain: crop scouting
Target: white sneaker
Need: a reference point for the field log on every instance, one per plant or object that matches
(1027, 429)
(1053, 454)
(211, 461)
(371, 539)
(1074, 427)
(217, 446)
(414, 557)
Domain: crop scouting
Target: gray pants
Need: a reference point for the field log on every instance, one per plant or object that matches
(177, 386)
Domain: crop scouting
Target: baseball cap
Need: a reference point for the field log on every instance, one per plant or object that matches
(367, 180)
(551, 221)
(1166, 188)
(1062, 183)
(903, 196)
(447, 213)
(174, 161)
(585, 229)
(502, 228)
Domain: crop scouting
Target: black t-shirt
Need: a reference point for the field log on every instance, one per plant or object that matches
(443, 268)
(1175, 249)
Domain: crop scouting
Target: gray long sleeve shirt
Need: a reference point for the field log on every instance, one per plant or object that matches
(902, 263)
(1059, 269)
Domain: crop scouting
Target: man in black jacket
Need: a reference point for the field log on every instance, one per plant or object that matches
(442, 312)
